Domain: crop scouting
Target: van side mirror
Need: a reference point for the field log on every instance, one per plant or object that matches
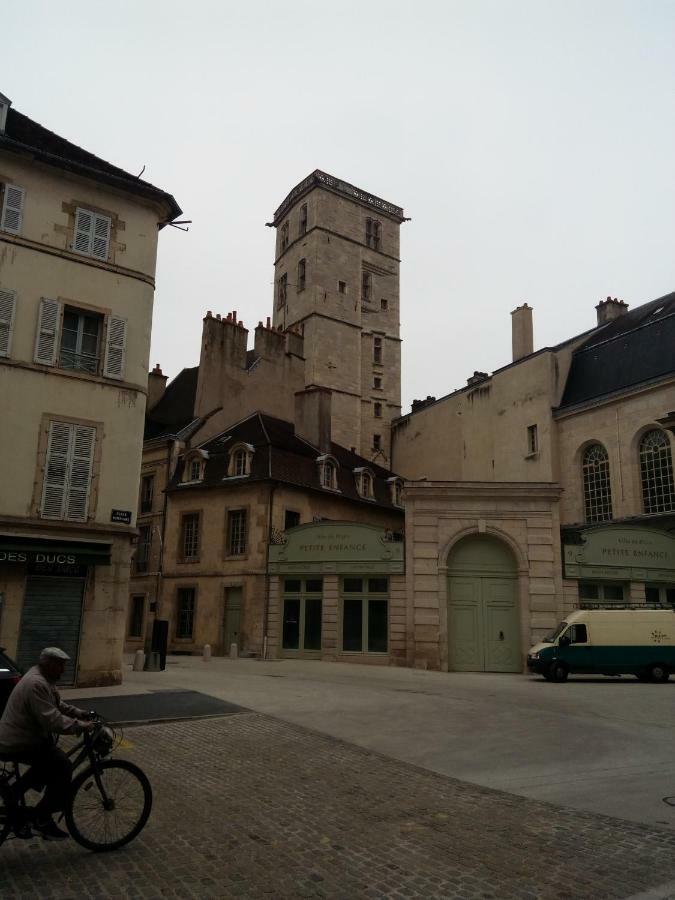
(564, 640)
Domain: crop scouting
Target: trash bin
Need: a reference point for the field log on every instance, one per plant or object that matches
(160, 639)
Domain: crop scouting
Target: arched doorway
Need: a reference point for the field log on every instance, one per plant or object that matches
(483, 621)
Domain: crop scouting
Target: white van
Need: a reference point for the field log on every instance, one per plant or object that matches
(636, 641)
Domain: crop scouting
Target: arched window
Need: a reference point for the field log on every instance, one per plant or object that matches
(241, 457)
(328, 479)
(656, 470)
(597, 485)
(239, 463)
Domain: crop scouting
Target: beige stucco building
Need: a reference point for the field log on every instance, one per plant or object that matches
(78, 243)
(546, 484)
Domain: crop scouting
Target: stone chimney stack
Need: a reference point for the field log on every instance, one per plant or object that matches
(522, 341)
(156, 386)
(609, 309)
(312, 417)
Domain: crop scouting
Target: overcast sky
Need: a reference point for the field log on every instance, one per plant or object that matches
(531, 142)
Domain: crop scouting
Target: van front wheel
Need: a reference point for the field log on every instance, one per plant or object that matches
(658, 673)
(558, 672)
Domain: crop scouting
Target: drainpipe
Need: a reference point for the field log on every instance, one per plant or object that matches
(273, 488)
(160, 534)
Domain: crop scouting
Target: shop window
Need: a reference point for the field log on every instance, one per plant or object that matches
(656, 470)
(185, 613)
(237, 527)
(365, 615)
(302, 614)
(143, 548)
(597, 485)
(136, 616)
(660, 595)
(147, 492)
(291, 519)
(189, 543)
(601, 592)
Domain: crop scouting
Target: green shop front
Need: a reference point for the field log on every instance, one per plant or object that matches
(621, 564)
(337, 592)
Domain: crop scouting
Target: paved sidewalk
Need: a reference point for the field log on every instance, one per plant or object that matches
(247, 806)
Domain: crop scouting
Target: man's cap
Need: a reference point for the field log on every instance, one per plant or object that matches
(53, 653)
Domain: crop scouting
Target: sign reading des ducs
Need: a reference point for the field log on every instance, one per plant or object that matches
(623, 554)
(336, 547)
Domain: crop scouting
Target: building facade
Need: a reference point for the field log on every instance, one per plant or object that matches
(546, 484)
(78, 243)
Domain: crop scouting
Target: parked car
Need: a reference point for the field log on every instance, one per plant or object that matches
(10, 675)
(631, 641)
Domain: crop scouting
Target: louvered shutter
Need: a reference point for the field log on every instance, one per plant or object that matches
(79, 474)
(46, 340)
(115, 350)
(12, 208)
(7, 307)
(56, 471)
(84, 225)
(101, 237)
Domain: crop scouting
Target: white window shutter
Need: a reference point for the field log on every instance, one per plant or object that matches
(7, 308)
(84, 226)
(56, 471)
(46, 340)
(116, 344)
(101, 237)
(12, 208)
(79, 475)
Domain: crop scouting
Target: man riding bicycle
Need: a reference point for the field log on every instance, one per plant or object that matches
(34, 715)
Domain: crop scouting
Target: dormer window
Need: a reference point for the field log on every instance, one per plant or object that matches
(194, 466)
(5, 104)
(195, 470)
(396, 488)
(365, 483)
(327, 472)
(241, 458)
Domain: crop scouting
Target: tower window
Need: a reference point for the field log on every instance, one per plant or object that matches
(377, 442)
(532, 439)
(377, 382)
(284, 236)
(366, 286)
(302, 268)
(384, 304)
(342, 287)
(373, 231)
(302, 226)
(378, 410)
(377, 350)
(282, 285)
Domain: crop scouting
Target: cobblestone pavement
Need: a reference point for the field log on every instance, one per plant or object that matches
(247, 806)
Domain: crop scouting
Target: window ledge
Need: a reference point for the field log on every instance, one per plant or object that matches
(533, 455)
(331, 489)
(236, 477)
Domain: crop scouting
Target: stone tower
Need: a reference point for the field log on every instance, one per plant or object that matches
(337, 276)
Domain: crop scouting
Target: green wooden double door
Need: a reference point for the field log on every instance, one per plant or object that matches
(483, 624)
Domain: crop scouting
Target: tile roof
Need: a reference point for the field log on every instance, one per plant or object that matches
(175, 409)
(23, 135)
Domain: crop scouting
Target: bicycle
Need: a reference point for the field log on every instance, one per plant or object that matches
(109, 803)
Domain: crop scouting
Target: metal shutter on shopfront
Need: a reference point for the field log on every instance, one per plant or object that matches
(51, 617)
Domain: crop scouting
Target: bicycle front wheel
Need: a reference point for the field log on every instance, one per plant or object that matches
(109, 805)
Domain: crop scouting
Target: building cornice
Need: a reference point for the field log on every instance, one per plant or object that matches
(478, 489)
(342, 237)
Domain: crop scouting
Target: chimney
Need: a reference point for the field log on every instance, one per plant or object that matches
(609, 309)
(156, 386)
(312, 417)
(522, 343)
(476, 378)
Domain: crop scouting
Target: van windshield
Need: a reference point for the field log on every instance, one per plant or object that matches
(554, 635)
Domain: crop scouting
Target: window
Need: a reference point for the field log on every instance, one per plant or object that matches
(73, 339)
(373, 231)
(302, 614)
(364, 483)
(532, 440)
(396, 487)
(365, 615)
(236, 532)
(190, 537)
(302, 226)
(195, 470)
(600, 592)
(68, 471)
(660, 594)
(147, 492)
(377, 350)
(327, 473)
(143, 548)
(241, 458)
(239, 462)
(282, 285)
(7, 310)
(185, 613)
(377, 409)
(11, 208)
(291, 518)
(80, 340)
(656, 469)
(577, 634)
(136, 616)
(384, 304)
(92, 234)
(284, 236)
(366, 286)
(597, 486)
(342, 287)
(377, 442)
(302, 268)
(377, 382)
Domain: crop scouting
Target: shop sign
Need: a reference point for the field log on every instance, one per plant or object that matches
(625, 554)
(59, 557)
(340, 548)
